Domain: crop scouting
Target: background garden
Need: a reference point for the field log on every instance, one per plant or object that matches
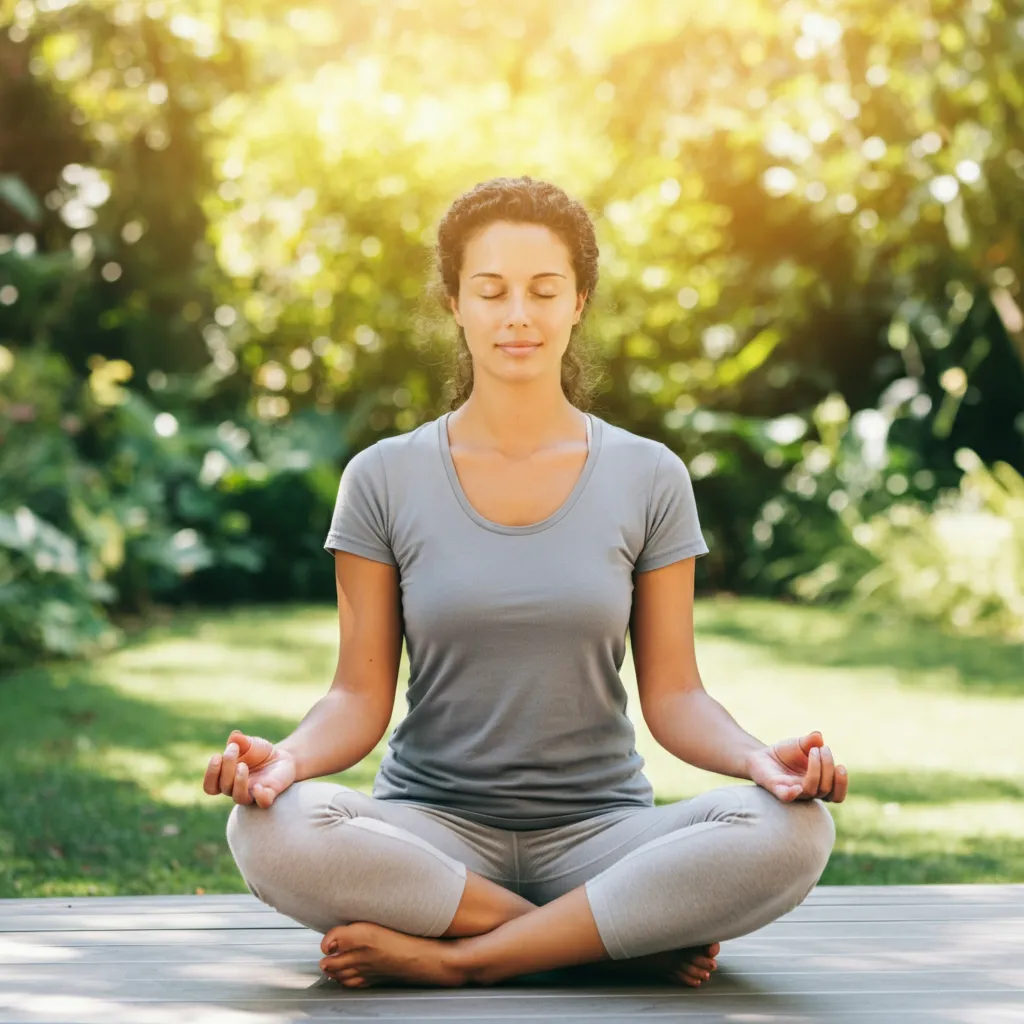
(215, 229)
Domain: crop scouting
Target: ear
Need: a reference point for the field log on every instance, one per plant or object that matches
(453, 303)
(581, 300)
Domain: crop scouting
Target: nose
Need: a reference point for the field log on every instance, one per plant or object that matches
(517, 314)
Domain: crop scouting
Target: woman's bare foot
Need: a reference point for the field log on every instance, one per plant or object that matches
(368, 954)
(691, 966)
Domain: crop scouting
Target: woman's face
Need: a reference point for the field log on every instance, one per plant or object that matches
(517, 285)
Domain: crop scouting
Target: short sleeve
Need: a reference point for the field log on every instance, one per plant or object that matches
(673, 528)
(360, 521)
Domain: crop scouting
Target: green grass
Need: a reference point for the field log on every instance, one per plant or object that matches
(102, 761)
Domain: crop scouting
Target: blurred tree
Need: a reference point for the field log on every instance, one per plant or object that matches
(794, 201)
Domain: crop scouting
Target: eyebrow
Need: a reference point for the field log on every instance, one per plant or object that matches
(546, 273)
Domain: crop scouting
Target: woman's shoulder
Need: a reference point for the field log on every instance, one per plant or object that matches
(630, 444)
(394, 462)
(409, 444)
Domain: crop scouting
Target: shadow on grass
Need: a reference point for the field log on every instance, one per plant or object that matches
(927, 859)
(68, 831)
(69, 828)
(251, 626)
(58, 713)
(833, 638)
(928, 787)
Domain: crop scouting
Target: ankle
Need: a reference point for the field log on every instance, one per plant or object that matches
(465, 962)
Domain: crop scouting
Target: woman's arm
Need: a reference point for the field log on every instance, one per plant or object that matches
(682, 716)
(350, 719)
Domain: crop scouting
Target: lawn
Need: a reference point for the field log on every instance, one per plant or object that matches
(102, 761)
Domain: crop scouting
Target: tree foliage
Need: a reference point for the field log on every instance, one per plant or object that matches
(797, 204)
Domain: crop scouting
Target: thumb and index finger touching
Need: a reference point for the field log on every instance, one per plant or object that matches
(252, 750)
(797, 745)
(249, 752)
(815, 770)
(792, 750)
(811, 740)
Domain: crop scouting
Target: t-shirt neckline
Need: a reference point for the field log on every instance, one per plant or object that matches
(544, 524)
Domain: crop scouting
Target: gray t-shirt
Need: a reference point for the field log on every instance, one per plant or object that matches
(515, 634)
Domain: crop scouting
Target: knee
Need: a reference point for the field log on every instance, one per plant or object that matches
(247, 831)
(268, 841)
(241, 842)
(256, 837)
(301, 805)
(808, 836)
(814, 834)
(799, 835)
(250, 827)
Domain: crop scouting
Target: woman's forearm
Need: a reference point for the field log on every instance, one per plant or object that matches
(697, 729)
(338, 731)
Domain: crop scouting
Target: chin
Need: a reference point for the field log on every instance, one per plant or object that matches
(530, 366)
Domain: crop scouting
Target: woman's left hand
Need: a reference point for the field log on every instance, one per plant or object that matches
(800, 768)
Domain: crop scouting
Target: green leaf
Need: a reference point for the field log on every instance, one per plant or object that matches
(749, 358)
(21, 197)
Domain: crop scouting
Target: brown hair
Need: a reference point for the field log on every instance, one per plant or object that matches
(519, 200)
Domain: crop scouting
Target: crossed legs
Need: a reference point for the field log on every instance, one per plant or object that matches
(682, 877)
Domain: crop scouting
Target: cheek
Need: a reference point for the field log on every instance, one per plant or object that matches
(481, 315)
(560, 315)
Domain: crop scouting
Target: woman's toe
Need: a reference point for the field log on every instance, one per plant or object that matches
(330, 938)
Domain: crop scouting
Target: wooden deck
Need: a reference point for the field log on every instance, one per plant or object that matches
(898, 953)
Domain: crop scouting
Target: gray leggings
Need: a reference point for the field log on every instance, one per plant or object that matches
(684, 874)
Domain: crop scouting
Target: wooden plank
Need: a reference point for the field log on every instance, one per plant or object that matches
(888, 894)
(975, 890)
(893, 932)
(183, 937)
(942, 913)
(222, 981)
(143, 902)
(89, 920)
(575, 1000)
(25, 953)
(920, 955)
(59, 913)
(856, 938)
(126, 915)
(60, 907)
(44, 921)
(174, 904)
(871, 957)
(981, 1006)
(959, 895)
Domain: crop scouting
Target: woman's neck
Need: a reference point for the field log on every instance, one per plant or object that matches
(517, 426)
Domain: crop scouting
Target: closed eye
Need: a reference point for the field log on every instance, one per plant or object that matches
(489, 297)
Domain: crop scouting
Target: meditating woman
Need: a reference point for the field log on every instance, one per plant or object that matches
(512, 542)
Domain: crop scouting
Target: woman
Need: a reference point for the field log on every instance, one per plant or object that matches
(512, 542)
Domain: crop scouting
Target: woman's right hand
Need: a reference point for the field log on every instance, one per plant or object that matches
(251, 769)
